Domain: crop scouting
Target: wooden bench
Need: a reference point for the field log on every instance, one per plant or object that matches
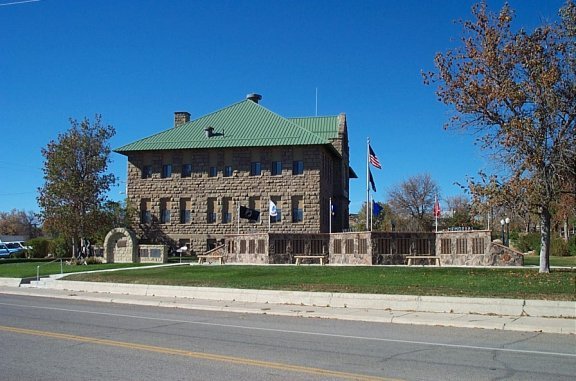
(299, 258)
(412, 257)
(208, 257)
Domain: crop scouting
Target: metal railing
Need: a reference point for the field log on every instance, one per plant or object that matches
(47, 263)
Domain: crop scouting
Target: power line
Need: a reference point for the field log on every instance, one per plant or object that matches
(19, 2)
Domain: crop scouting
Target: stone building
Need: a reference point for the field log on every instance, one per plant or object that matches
(189, 182)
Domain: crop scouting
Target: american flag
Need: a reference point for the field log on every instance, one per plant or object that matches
(373, 158)
(437, 210)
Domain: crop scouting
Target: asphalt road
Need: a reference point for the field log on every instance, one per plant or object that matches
(52, 339)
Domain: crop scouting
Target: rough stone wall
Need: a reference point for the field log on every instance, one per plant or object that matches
(120, 246)
(238, 189)
(152, 253)
(501, 255)
(466, 248)
(351, 248)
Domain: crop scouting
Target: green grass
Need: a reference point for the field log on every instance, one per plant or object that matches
(27, 269)
(534, 260)
(472, 282)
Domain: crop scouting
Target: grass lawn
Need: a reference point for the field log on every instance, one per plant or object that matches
(473, 282)
(27, 269)
(534, 260)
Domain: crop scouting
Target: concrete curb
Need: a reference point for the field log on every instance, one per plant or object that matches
(450, 305)
(10, 282)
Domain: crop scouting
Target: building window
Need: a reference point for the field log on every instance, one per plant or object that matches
(185, 213)
(147, 172)
(276, 168)
(213, 172)
(228, 171)
(145, 213)
(297, 209)
(164, 211)
(186, 170)
(211, 212)
(298, 167)
(166, 171)
(226, 215)
(255, 168)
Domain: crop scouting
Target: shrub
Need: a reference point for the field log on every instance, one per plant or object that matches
(531, 242)
(559, 247)
(572, 246)
(40, 247)
(60, 248)
(528, 242)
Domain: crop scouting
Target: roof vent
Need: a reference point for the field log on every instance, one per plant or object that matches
(254, 97)
(209, 132)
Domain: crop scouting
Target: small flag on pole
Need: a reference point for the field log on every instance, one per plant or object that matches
(249, 214)
(374, 159)
(376, 208)
(437, 210)
(372, 181)
(272, 209)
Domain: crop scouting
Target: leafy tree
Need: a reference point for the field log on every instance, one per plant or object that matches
(19, 222)
(517, 91)
(75, 187)
(413, 199)
(385, 221)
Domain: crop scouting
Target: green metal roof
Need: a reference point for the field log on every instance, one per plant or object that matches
(243, 124)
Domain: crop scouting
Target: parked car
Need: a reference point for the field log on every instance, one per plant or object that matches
(15, 248)
(4, 251)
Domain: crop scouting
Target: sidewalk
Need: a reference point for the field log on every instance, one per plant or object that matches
(499, 314)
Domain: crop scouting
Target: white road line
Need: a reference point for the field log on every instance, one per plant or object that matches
(413, 342)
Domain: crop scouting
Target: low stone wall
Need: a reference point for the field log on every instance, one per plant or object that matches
(152, 253)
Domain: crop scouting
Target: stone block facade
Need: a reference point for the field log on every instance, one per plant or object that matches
(200, 209)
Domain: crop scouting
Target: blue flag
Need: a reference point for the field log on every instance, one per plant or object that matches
(371, 180)
(376, 208)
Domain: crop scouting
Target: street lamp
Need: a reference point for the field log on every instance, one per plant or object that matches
(507, 220)
(502, 222)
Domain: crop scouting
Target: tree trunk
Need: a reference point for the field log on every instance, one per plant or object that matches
(545, 240)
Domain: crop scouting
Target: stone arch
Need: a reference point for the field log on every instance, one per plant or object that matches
(121, 246)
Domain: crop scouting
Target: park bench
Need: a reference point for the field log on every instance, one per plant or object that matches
(209, 257)
(299, 258)
(412, 258)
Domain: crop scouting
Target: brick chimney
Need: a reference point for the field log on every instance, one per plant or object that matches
(181, 117)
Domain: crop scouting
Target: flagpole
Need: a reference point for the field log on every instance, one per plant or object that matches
(435, 212)
(269, 215)
(367, 180)
(371, 214)
(330, 214)
(238, 211)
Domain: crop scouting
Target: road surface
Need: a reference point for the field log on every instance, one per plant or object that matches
(53, 339)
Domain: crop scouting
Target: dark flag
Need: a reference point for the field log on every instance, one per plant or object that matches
(376, 208)
(371, 181)
(249, 214)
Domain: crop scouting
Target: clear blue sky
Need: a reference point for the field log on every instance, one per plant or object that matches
(136, 62)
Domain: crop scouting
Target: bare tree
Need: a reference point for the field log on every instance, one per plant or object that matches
(414, 199)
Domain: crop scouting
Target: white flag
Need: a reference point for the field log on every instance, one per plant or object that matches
(272, 209)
